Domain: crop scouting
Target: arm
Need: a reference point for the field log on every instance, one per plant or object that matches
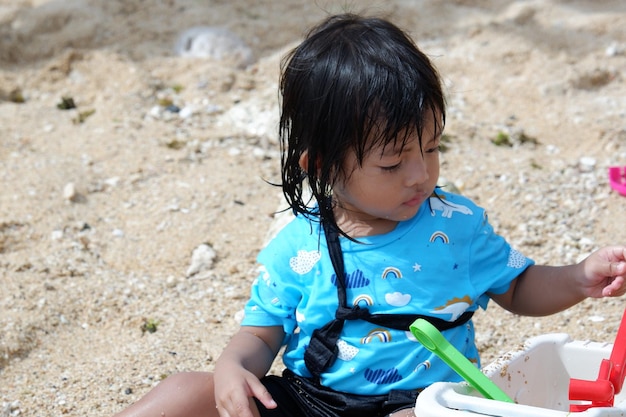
(247, 358)
(544, 290)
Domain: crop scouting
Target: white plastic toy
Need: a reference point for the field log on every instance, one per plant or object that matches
(550, 376)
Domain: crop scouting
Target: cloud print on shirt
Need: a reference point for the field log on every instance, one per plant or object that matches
(354, 280)
(304, 261)
(397, 299)
(516, 259)
(382, 376)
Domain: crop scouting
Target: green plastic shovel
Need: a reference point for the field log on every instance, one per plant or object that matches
(434, 341)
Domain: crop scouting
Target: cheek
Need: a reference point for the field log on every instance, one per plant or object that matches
(433, 164)
(435, 168)
(364, 190)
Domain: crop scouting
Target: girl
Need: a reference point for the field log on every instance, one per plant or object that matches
(376, 246)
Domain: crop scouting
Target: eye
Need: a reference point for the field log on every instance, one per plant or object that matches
(391, 168)
(433, 150)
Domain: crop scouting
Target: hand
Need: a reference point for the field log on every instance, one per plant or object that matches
(234, 388)
(247, 357)
(605, 272)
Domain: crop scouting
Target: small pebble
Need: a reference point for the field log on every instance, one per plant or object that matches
(586, 164)
(216, 43)
(201, 259)
(186, 112)
(69, 191)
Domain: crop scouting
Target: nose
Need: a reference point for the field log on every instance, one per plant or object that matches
(417, 172)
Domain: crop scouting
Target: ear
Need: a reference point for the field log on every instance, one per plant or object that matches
(304, 162)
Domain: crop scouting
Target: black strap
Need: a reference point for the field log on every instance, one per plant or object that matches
(322, 350)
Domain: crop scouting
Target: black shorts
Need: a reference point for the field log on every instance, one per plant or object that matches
(298, 396)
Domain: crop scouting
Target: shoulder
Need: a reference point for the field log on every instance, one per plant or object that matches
(292, 232)
(293, 251)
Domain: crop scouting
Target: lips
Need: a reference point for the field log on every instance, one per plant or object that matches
(415, 201)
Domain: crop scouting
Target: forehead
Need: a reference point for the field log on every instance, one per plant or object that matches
(422, 135)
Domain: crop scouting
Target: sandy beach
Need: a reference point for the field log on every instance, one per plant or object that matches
(136, 157)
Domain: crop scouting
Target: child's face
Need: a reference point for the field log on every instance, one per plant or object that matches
(390, 185)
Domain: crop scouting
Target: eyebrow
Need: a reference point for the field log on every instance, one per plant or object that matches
(394, 150)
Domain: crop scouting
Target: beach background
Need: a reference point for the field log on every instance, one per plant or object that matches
(135, 158)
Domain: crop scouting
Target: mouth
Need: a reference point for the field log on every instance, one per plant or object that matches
(415, 201)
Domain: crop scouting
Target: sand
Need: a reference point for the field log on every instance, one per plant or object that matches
(162, 154)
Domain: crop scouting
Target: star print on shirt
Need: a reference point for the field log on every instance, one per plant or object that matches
(417, 267)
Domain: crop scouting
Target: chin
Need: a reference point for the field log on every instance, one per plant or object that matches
(408, 216)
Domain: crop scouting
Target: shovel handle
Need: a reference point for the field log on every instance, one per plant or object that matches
(433, 340)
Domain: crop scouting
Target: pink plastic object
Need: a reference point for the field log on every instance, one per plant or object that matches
(617, 179)
(602, 391)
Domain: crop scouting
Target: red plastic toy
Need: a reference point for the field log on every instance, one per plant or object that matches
(617, 179)
(602, 391)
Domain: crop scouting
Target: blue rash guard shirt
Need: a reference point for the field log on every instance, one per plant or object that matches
(440, 263)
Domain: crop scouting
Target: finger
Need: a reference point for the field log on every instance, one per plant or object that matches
(237, 407)
(262, 394)
(609, 270)
(617, 268)
(616, 253)
(221, 412)
(615, 287)
(266, 399)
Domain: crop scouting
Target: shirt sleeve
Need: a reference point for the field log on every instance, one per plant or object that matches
(494, 263)
(274, 295)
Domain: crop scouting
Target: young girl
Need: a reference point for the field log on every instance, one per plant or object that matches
(376, 246)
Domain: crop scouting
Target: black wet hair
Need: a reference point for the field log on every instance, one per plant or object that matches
(353, 84)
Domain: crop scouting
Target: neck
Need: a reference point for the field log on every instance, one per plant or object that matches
(356, 227)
